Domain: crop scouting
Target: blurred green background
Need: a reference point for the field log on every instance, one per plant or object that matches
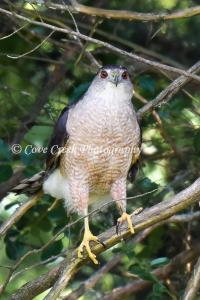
(36, 87)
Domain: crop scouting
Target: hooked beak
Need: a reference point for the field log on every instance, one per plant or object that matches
(115, 78)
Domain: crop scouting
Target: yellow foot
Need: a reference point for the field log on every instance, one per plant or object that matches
(127, 217)
(88, 236)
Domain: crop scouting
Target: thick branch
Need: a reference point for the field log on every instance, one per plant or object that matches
(148, 217)
(41, 284)
(128, 15)
(103, 44)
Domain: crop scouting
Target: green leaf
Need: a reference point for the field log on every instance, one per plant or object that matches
(147, 84)
(5, 153)
(159, 292)
(160, 261)
(91, 47)
(5, 172)
(143, 273)
(15, 249)
(53, 249)
(147, 185)
(159, 288)
(45, 225)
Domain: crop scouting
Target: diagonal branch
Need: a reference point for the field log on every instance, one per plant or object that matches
(19, 213)
(104, 44)
(162, 273)
(168, 92)
(193, 284)
(69, 267)
(128, 15)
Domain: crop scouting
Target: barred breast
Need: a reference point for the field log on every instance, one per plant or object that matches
(102, 137)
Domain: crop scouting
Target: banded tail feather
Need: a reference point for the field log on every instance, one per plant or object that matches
(31, 185)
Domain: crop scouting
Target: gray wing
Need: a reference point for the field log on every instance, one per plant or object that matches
(58, 140)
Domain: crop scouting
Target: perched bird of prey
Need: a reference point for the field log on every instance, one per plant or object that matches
(94, 147)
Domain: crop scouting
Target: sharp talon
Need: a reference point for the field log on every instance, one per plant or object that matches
(102, 243)
(117, 228)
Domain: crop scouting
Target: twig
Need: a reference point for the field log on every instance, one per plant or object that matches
(168, 92)
(161, 273)
(106, 45)
(12, 33)
(87, 53)
(19, 213)
(133, 46)
(32, 50)
(70, 266)
(43, 262)
(163, 132)
(193, 285)
(128, 15)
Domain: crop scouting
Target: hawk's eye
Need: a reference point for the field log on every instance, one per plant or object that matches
(103, 74)
(125, 75)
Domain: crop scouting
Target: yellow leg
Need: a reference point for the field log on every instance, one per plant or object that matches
(88, 236)
(127, 217)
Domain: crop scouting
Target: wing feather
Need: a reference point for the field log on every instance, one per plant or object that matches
(58, 140)
(134, 167)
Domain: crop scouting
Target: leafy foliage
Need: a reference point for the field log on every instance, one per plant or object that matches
(170, 156)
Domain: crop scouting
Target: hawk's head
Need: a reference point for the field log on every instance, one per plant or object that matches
(113, 79)
(114, 74)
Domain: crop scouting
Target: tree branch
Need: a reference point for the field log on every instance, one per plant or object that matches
(127, 15)
(69, 267)
(162, 273)
(168, 92)
(193, 285)
(104, 44)
(19, 213)
(92, 281)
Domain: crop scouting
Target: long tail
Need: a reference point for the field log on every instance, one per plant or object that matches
(31, 185)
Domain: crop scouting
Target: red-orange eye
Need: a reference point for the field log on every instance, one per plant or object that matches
(125, 75)
(103, 74)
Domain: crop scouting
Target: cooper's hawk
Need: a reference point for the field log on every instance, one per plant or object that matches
(95, 145)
